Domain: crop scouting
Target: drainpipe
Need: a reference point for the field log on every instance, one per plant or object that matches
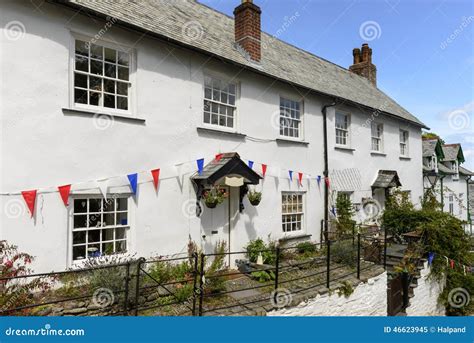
(326, 167)
(442, 194)
(468, 179)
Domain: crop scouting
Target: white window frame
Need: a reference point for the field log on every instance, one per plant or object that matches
(434, 162)
(376, 134)
(451, 204)
(455, 168)
(461, 205)
(227, 80)
(346, 130)
(129, 228)
(131, 111)
(404, 143)
(297, 213)
(283, 119)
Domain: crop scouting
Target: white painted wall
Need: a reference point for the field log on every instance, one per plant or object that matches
(425, 300)
(357, 168)
(369, 299)
(42, 146)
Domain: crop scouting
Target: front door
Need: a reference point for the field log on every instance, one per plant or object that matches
(215, 225)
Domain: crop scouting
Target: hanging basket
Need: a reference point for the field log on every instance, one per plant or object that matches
(211, 203)
(255, 202)
(254, 197)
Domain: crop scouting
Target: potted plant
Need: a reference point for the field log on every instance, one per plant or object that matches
(214, 196)
(254, 197)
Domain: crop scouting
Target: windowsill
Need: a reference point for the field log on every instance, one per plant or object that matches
(378, 153)
(285, 140)
(406, 158)
(216, 130)
(343, 148)
(87, 112)
(294, 236)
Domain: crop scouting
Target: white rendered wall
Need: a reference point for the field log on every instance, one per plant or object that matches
(368, 299)
(425, 300)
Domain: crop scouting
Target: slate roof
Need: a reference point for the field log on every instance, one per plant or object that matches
(465, 171)
(451, 152)
(429, 146)
(386, 179)
(215, 36)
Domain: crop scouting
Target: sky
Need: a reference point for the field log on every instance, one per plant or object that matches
(423, 50)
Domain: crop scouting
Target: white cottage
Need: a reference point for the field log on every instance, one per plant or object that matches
(97, 95)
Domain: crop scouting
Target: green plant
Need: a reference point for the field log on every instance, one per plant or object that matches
(216, 283)
(306, 248)
(345, 212)
(344, 252)
(13, 293)
(256, 247)
(263, 275)
(214, 196)
(254, 197)
(346, 289)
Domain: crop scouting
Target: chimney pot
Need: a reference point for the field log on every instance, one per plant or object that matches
(247, 28)
(363, 64)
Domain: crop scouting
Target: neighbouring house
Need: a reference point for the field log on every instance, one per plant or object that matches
(443, 172)
(98, 94)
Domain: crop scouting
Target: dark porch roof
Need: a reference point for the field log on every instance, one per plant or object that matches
(229, 164)
(387, 179)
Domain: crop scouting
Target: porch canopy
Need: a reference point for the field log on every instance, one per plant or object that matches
(386, 179)
(230, 165)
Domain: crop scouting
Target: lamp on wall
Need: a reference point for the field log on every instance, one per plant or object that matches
(432, 177)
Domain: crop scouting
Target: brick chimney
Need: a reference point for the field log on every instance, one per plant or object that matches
(363, 64)
(247, 28)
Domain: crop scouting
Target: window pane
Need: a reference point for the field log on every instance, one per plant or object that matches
(122, 103)
(109, 100)
(97, 51)
(82, 63)
(79, 237)
(80, 221)
(108, 235)
(123, 58)
(82, 48)
(95, 205)
(96, 67)
(110, 55)
(80, 205)
(109, 219)
(95, 220)
(120, 233)
(109, 86)
(108, 248)
(110, 70)
(79, 253)
(95, 83)
(80, 80)
(123, 73)
(122, 88)
(80, 96)
(121, 246)
(93, 236)
(94, 98)
(122, 204)
(122, 218)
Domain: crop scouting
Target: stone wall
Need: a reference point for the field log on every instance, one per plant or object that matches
(425, 299)
(368, 299)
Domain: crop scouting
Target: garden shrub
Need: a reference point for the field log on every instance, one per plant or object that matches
(345, 211)
(343, 251)
(257, 247)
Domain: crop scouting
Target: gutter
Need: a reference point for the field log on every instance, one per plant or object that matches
(326, 169)
(135, 28)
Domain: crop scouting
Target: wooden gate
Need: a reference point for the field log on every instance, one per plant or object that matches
(395, 296)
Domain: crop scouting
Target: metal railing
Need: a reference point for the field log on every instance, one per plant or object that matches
(199, 284)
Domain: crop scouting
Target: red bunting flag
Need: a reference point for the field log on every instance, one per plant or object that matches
(452, 264)
(218, 157)
(156, 176)
(326, 179)
(264, 169)
(300, 178)
(64, 192)
(30, 199)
